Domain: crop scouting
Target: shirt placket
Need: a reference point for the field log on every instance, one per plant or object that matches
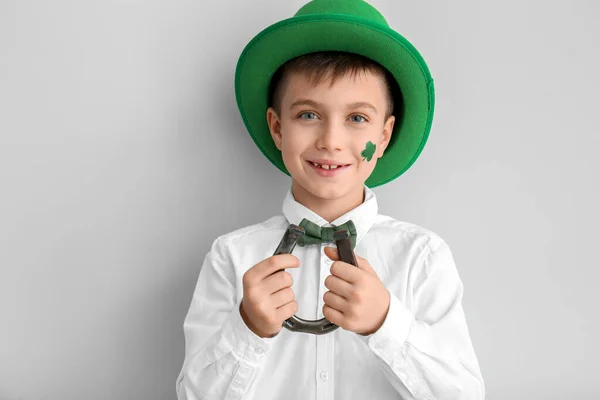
(325, 343)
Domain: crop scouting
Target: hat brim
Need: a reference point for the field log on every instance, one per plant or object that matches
(296, 36)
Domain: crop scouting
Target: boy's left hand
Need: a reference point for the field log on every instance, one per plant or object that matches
(357, 300)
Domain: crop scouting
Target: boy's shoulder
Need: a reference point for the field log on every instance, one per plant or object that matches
(273, 226)
(406, 232)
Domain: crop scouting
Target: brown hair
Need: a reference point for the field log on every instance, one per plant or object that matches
(336, 64)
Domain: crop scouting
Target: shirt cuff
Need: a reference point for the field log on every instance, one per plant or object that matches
(241, 338)
(391, 335)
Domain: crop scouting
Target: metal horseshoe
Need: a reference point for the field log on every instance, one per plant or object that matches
(286, 246)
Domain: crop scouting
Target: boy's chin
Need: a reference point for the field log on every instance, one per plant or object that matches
(328, 190)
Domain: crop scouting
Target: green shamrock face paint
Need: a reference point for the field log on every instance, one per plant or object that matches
(368, 151)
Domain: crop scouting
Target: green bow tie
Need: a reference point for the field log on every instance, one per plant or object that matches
(313, 233)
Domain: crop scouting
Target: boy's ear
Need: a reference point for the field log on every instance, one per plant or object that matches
(274, 126)
(388, 127)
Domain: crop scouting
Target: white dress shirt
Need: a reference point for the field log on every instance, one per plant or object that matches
(422, 351)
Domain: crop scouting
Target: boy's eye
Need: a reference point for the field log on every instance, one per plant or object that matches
(359, 116)
(307, 113)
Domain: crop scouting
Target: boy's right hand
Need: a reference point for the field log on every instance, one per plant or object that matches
(268, 297)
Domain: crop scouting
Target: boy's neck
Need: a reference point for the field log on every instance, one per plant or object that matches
(328, 209)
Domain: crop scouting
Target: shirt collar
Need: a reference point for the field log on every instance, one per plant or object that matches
(363, 215)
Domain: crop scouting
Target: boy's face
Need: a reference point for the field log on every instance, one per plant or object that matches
(331, 123)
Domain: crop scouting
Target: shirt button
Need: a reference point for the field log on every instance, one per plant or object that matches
(381, 345)
(324, 375)
(259, 351)
(328, 261)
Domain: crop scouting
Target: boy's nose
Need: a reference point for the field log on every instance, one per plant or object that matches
(331, 136)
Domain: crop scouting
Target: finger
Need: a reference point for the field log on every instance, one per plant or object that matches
(338, 286)
(287, 310)
(276, 263)
(282, 297)
(346, 271)
(277, 281)
(336, 302)
(333, 315)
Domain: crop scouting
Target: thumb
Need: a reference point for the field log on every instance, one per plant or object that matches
(332, 253)
(365, 265)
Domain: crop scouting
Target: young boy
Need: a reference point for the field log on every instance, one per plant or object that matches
(341, 103)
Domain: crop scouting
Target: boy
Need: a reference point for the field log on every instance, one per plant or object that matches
(340, 102)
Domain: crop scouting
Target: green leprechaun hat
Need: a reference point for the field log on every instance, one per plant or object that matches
(352, 26)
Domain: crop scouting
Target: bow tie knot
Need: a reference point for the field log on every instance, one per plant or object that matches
(314, 234)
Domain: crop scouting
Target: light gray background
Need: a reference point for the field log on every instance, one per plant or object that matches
(122, 157)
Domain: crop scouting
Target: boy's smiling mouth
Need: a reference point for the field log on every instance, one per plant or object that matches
(328, 168)
(321, 162)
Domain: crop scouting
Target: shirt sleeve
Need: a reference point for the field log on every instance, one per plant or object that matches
(428, 354)
(223, 357)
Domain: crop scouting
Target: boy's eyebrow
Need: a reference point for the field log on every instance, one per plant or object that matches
(312, 103)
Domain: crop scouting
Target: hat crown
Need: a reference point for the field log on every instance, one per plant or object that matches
(355, 8)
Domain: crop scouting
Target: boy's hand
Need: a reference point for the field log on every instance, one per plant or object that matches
(357, 300)
(268, 297)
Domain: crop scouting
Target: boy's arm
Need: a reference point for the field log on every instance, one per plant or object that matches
(429, 354)
(223, 357)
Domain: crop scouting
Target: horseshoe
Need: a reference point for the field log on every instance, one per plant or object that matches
(286, 246)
